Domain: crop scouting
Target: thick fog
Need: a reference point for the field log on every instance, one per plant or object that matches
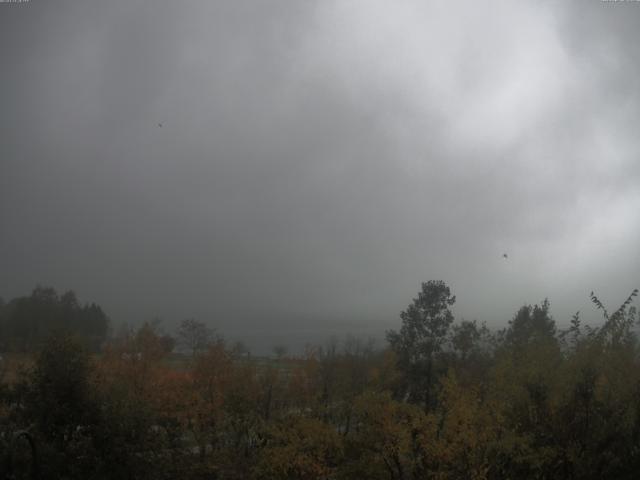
(290, 170)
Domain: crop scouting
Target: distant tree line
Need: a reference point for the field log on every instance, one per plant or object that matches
(25, 322)
(445, 399)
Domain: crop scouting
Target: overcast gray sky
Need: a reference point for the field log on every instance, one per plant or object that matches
(318, 160)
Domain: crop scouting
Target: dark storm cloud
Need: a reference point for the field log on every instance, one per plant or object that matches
(316, 161)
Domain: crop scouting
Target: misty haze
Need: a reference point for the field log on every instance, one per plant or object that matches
(319, 240)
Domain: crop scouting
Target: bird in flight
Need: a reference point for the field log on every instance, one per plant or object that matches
(505, 255)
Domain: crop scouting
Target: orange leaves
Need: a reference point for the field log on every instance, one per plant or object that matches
(300, 448)
(174, 397)
(212, 373)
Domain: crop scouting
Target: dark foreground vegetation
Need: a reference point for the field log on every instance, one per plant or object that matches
(443, 400)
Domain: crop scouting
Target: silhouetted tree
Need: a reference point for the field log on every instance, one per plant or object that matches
(60, 400)
(466, 337)
(531, 325)
(194, 336)
(425, 325)
(27, 321)
(280, 351)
